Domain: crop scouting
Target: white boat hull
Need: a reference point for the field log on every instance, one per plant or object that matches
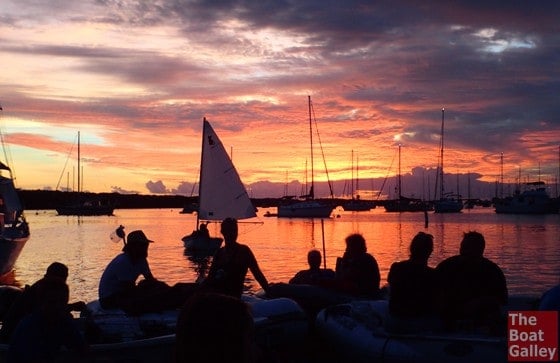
(305, 209)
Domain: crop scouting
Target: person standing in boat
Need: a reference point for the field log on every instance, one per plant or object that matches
(473, 288)
(357, 272)
(413, 289)
(231, 262)
(315, 275)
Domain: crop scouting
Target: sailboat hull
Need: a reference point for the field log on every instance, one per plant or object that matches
(10, 249)
(535, 201)
(305, 209)
(407, 205)
(85, 210)
(448, 206)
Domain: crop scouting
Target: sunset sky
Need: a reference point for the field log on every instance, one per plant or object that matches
(136, 79)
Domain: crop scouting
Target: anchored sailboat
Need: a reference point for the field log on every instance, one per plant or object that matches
(309, 207)
(447, 202)
(82, 205)
(402, 203)
(14, 230)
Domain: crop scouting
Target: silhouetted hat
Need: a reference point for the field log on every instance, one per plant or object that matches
(137, 237)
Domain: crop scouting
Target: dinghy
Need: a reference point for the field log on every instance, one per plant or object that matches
(357, 331)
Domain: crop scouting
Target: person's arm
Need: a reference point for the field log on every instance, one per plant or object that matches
(256, 271)
(146, 272)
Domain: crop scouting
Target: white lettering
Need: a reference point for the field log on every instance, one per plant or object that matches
(532, 351)
(533, 336)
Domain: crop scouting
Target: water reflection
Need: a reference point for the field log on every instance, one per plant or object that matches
(200, 263)
(525, 247)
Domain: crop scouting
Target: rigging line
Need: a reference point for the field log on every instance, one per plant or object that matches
(66, 164)
(6, 149)
(386, 176)
(322, 151)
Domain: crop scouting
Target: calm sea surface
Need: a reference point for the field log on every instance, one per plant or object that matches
(526, 247)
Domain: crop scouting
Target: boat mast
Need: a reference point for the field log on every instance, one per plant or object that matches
(352, 177)
(502, 175)
(441, 154)
(200, 183)
(79, 184)
(399, 181)
(311, 191)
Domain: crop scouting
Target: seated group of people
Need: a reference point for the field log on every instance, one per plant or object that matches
(356, 274)
(466, 291)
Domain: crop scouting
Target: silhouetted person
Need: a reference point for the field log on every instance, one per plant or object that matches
(215, 328)
(315, 275)
(231, 262)
(118, 288)
(39, 336)
(357, 272)
(473, 288)
(28, 300)
(413, 288)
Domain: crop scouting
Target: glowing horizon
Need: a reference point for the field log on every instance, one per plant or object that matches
(136, 81)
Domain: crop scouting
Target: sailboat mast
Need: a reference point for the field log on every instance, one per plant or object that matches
(441, 153)
(312, 190)
(399, 181)
(79, 170)
(200, 182)
(352, 178)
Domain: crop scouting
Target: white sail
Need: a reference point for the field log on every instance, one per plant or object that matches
(221, 192)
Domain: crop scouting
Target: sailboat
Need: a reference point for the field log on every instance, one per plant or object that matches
(402, 203)
(447, 202)
(220, 191)
(356, 204)
(82, 205)
(14, 230)
(308, 206)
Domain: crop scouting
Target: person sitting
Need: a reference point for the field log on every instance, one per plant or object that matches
(118, 288)
(315, 275)
(473, 288)
(28, 300)
(357, 272)
(39, 336)
(215, 328)
(230, 264)
(413, 289)
(203, 231)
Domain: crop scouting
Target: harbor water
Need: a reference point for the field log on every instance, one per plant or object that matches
(524, 246)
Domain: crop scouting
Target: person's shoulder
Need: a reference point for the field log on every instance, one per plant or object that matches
(449, 261)
(243, 247)
(491, 265)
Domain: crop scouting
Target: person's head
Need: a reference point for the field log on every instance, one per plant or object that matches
(229, 229)
(137, 245)
(472, 245)
(356, 244)
(203, 227)
(214, 328)
(57, 270)
(421, 246)
(314, 259)
(52, 298)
